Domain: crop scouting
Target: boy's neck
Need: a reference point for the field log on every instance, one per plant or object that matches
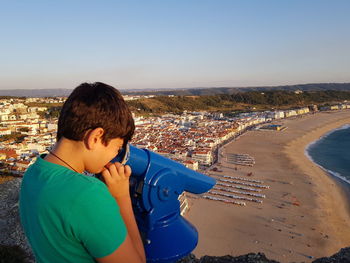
(67, 153)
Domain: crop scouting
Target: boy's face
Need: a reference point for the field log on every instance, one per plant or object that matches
(104, 154)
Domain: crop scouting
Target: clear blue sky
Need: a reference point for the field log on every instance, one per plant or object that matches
(173, 44)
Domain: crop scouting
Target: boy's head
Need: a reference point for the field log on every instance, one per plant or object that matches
(92, 106)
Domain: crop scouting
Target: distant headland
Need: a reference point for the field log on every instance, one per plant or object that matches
(195, 91)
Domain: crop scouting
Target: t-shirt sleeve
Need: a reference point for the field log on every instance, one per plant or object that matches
(97, 222)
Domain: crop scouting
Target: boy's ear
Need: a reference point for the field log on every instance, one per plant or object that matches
(93, 137)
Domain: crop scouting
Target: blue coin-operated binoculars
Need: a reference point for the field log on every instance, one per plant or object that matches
(155, 185)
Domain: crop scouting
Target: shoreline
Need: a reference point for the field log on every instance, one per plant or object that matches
(342, 182)
(283, 231)
(329, 199)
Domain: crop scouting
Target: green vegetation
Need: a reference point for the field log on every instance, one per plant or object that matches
(52, 112)
(16, 137)
(41, 104)
(242, 101)
(53, 109)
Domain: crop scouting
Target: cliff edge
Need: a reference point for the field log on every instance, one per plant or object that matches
(15, 249)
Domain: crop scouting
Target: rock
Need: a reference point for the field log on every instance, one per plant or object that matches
(189, 259)
(342, 256)
(248, 258)
(13, 243)
(12, 254)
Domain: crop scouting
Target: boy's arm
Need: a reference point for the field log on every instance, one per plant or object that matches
(116, 177)
(126, 252)
(130, 222)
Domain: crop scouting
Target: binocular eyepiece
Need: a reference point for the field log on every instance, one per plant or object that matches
(155, 185)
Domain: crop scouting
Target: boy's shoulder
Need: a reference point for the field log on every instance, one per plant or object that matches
(43, 167)
(60, 181)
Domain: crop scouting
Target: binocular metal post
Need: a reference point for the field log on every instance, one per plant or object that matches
(156, 183)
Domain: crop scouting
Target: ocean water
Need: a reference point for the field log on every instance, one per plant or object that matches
(332, 153)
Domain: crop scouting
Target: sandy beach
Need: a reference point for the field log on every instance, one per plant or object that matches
(305, 213)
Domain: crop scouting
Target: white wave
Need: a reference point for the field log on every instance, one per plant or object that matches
(338, 175)
(335, 174)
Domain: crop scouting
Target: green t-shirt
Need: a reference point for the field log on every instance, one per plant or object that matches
(67, 216)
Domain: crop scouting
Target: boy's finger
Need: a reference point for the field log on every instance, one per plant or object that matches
(120, 169)
(127, 170)
(113, 171)
(106, 176)
(108, 165)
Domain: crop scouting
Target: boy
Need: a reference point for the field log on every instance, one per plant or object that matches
(68, 216)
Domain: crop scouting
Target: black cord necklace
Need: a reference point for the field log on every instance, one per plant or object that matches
(63, 161)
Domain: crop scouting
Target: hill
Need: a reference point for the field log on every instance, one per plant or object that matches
(251, 100)
(200, 91)
(233, 90)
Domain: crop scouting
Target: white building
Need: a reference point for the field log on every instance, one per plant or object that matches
(290, 113)
(276, 114)
(52, 127)
(5, 131)
(4, 117)
(204, 157)
(191, 164)
(36, 147)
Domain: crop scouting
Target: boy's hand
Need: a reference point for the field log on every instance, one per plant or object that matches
(116, 177)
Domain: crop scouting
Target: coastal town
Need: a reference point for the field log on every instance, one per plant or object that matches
(175, 131)
(192, 138)
(247, 178)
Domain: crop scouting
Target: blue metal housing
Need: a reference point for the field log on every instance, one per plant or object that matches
(155, 185)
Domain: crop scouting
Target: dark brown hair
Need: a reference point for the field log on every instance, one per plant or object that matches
(95, 105)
